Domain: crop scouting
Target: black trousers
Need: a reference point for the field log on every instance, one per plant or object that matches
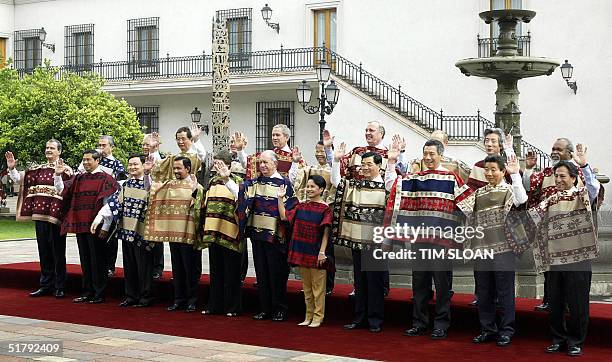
(272, 273)
(422, 273)
(158, 257)
(495, 280)
(92, 253)
(244, 262)
(112, 247)
(369, 289)
(546, 294)
(186, 273)
(331, 275)
(569, 287)
(52, 255)
(137, 269)
(225, 289)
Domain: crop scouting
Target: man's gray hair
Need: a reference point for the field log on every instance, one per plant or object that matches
(58, 144)
(570, 145)
(270, 154)
(284, 129)
(110, 139)
(499, 132)
(381, 128)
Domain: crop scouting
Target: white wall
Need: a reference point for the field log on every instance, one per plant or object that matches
(6, 25)
(174, 112)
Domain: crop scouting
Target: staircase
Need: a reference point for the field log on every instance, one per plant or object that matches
(458, 128)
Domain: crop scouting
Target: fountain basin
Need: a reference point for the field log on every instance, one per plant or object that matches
(514, 67)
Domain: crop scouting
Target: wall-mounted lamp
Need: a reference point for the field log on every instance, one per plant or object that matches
(42, 35)
(266, 13)
(196, 116)
(566, 72)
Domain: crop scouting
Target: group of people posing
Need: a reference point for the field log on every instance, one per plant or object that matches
(295, 213)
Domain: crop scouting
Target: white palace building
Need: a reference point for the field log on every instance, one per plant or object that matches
(393, 60)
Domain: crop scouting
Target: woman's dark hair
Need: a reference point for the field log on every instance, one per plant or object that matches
(497, 159)
(318, 180)
(571, 169)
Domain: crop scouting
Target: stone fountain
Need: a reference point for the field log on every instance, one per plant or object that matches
(507, 67)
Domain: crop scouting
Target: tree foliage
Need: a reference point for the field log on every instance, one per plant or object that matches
(71, 108)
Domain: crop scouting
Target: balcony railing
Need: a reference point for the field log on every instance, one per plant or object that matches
(461, 128)
(488, 46)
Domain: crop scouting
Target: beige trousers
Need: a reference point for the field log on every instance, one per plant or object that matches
(313, 282)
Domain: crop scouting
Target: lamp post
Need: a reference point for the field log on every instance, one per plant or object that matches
(266, 14)
(42, 35)
(328, 96)
(196, 116)
(566, 72)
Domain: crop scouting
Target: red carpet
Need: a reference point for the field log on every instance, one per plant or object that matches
(532, 330)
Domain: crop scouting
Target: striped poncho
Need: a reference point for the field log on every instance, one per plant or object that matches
(257, 211)
(219, 223)
(433, 200)
(284, 158)
(38, 199)
(129, 207)
(302, 179)
(477, 177)
(308, 221)
(351, 162)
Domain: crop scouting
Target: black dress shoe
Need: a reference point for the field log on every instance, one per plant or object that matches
(142, 305)
(60, 293)
(157, 275)
(80, 299)
(261, 316)
(41, 292)
(484, 337)
(110, 273)
(328, 293)
(386, 292)
(438, 334)
(174, 307)
(503, 341)
(354, 325)
(541, 308)
(127, 303)
(375, 329)
(190, 308)
(473, 303)
(574, 351)
(555, 347)
(280, 317)
(96, 301)
(415, 331)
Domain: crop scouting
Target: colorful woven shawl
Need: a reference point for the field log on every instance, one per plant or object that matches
(565, 230)
(84, 196)
(38, 199)
(359, 207)
(129, 207)
(351, 162)
(219, 220)
(257, 210)
(173, 214)
(433, 200)
(302, 179)
(163, 172)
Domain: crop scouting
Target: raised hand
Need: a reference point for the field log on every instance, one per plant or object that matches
(296, 154)
(580, 156)
(194, 182)
(282, 191)
(195, 132)
(512, 167)
(401, 141)
(395, 149)
(149, 163)
(328, 140)
(60, 167)
(222, 169)
(508, 142)
(530, 160)
(340, 151)
(240, 141)
(10, 160)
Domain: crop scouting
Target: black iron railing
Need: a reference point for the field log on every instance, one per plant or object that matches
(461, 128)
(488, 46)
